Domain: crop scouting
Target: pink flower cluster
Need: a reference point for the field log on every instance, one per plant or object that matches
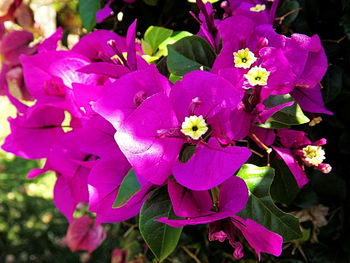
(99, 113)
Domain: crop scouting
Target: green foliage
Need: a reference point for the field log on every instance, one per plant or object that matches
(31, 228)
(156, 39)
(260, 206)
(161, 238)
(155, 35)
(189, 54)
(292, 115)
(151, 2)
(186, 152)
(288, 7)
(129, 186)
(87, 11)
(329, 188)
(333, 83)
(284, 188)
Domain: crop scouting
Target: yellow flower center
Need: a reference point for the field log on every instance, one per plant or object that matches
(244, 58)
(194, 126)
(257, 76)
(314, 155)
(258, 8)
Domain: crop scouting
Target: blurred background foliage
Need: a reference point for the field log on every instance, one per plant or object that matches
(32, 230)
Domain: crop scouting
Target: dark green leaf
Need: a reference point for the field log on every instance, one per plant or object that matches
(319, 252)
(289, 260)
(333, 83)
(155, 35)
(87, 11)
(329, 187)
(260, 206)
(284, 188)
(189, 54)
(292, 115)
(307, 197)
(151, 2)
(161, 238)
(163, 67)
(344, 143)
(129, 186)
(176, 36)
(345, 22)
(186, 152)
(286, 7)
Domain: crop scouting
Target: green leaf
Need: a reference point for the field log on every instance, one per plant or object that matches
(345, 23)
(151, 2)
(186, 152)
(260, 206)
(161, 238)
(292, 115)
(284, 188)
(344, 142)
(129, 186)
(286, 7)
(333, 83)
(173, 78)
(307, 197)
(146, 47)
(189, 54)
(87, 11)
(155, 35)
(289, 260)
(176, 36)
(152, 55)
(329, 187)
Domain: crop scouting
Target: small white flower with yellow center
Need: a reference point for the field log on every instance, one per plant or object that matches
(314, 155)
(244, 58)
(258, 8)
(257, 76)
(194, 126)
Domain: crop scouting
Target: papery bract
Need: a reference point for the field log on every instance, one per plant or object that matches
(211, 93)
(51, 43)
(47, 74)
(104, 181)
(123, 96)
(105, 12)
(189, 203)
(210, 165)
(7, 9)
(95, 43)
(150, 154)
(84, 234)
(35, 132)
(233, 197)
(15, 43)
(258, 237)
(72, 167)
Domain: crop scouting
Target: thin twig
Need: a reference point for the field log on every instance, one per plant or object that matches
(267, 149)
(287, 14)
(257, 153)
(334, 41)
(188, 252)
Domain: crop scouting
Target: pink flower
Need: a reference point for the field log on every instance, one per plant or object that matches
(83, 234)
